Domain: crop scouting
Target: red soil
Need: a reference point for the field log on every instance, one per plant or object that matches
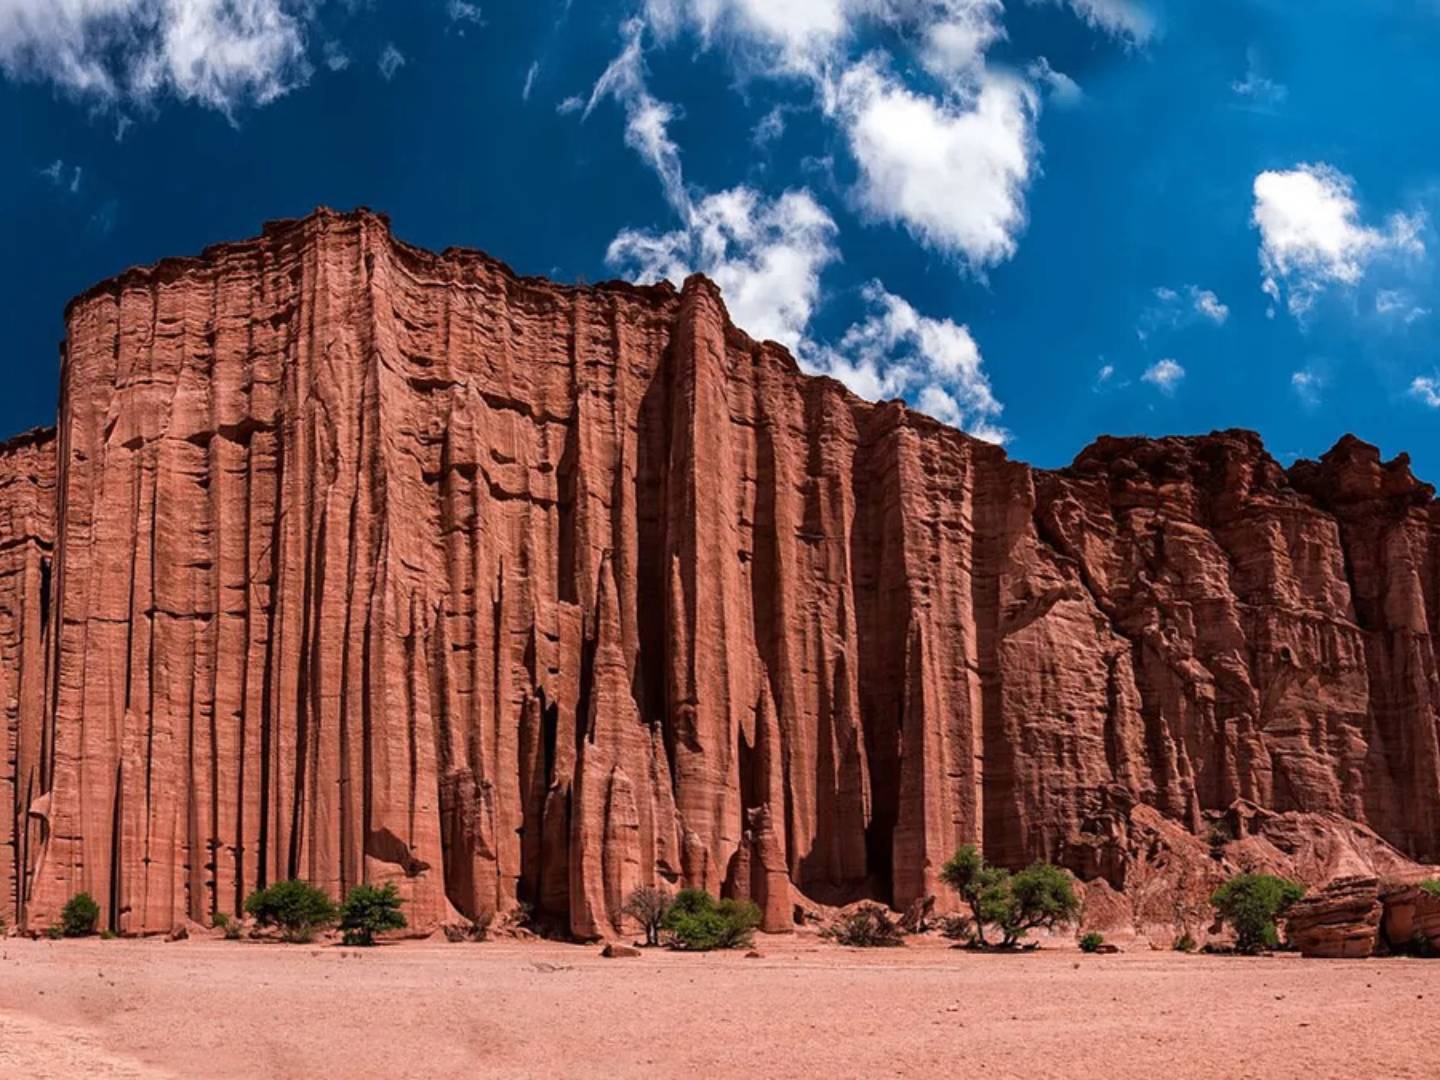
(226, 1009)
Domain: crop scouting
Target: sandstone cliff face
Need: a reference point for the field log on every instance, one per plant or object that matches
(372, 564)
(27, 533)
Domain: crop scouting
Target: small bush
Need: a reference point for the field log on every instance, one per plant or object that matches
(1184, 943)
(369, 910)
(1091, 942)
(79, 915)
(298, 909)
(1217, 838)
(1251, 903)
(648, 905)
(867, 927)
(1431, 888)
(956, 927)
(108, 935)
(518, 917)
(697, 922)
(54, 933)
(471, 930)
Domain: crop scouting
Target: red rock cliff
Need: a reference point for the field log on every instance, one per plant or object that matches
(27, 531)
(373, 564)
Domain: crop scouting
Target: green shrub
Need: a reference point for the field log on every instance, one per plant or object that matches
(1091, 942)
(648, 905)
(1431, 888)
(867, 927)
(369, 910)
(697, 922)
(79, 915)
(1251, 903)
(1038, 896)
(298, 909)
(1041, 896)
(54, 933)
(231, 927)
(979, 885)
(108, 935)
(1184, 943)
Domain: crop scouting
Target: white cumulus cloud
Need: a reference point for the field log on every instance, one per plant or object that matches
(1165, 374)
(765, 254)
(895, 351)
(222, 54)
(1312, 236)
(952, 168)
(1209, 305)
(809, 38)
(954, 175)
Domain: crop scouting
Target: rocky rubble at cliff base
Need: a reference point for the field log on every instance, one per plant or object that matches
(353, 562)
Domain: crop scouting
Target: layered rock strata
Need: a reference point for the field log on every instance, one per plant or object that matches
(373, 564)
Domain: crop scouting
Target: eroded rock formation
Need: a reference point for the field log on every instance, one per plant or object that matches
(373, 564)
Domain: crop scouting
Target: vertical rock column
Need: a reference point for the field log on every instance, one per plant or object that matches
(710, 658)
(27, 499)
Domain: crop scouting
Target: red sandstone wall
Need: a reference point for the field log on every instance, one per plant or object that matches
(27, 529)
(376, 564)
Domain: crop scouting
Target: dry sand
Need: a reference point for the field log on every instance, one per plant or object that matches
(208, 1008)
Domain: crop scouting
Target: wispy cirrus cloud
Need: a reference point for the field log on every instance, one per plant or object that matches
(1171, 308)
(1426, 390)
(1129, 20)
(647, 118)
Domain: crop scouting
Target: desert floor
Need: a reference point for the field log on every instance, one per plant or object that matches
(207, 1008)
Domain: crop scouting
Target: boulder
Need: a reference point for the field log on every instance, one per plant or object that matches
(1342, 921)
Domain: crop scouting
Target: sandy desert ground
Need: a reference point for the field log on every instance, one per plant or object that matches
(804, 1009)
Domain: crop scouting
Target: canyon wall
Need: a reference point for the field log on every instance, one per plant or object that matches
(27, 534)
(371, 564)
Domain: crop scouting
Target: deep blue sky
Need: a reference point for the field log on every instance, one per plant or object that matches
(1191, 151)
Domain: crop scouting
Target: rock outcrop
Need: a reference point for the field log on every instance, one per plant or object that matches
(1412, 919)
(1356, 917)
(354, 562)
(1341, 922)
